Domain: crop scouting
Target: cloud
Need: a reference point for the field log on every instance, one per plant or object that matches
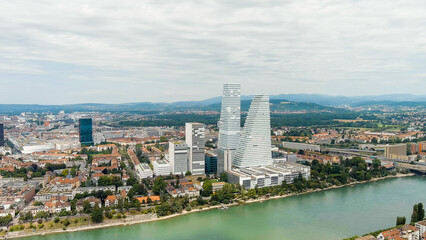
(163, 50)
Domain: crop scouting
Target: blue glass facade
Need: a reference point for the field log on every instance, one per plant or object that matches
(86, 132)
(210, 164)
(1, 134)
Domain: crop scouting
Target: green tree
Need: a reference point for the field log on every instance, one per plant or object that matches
(400, 221)
(415, 214)
(97, 215)
(159, 185)
(376, 164)
(87, 208)
(207, 189)
(224, 177)
(420, 212)
(65, 172)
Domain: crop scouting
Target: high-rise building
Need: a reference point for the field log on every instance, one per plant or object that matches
(254, 147)
(85, 131)
(229, 125)
(196, 139)
(393, 151)
(211, 163)
(161, 167)
(1, 134)
(178, 157)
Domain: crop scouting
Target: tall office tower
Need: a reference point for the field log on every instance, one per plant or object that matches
(196, 139)
(178, 157)
(229, 125)
(85, 131)
(254, 148)
(1, 134)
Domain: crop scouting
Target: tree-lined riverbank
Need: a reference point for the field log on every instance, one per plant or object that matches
(138, 219)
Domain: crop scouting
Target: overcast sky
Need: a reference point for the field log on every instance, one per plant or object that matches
(56, 52)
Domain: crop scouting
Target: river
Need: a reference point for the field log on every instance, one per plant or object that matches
(326, 215)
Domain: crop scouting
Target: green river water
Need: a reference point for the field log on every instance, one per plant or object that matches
(332, 214)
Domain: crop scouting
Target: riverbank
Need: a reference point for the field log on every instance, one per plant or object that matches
(137, 219)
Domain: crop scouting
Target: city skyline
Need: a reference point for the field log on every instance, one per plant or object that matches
(135, 52)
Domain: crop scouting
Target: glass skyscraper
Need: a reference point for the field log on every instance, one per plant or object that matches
(254, 147)
(1, 134)
(211, 163)
(230, 116)
(86, 131)
(229, 125)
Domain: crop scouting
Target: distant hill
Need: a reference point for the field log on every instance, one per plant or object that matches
(281, 105)
(390, 104)
(278, 105)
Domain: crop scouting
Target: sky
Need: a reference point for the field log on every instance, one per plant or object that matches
(109, 51)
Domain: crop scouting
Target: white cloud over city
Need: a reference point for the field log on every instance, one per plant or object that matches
(56, 52)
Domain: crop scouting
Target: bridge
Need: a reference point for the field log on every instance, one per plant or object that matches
(413, 167)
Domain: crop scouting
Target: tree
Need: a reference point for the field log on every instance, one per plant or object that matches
(420, 212)
(66, 222)
(159, 185)
(73, 172)
(131, 181)
(400, 221)
(376, 164)
(87, 208)
(65, 172)
(5, 220)
(188, 173)
(414, 215)
(96, 215)
(224, 177)
(136, 204)
(207, 189)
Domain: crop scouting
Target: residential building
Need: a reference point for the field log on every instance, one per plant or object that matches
(161, 167)
(254, 147)
(196, 141)
(421, 227)
(229, 125)
(144, 200)
(397, 149)
(86, 131)
(111, 200)
(92, 201)
(178, 157)
(57, 204)
(404, 232)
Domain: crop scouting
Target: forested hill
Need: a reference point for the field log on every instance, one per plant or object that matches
(282, 105)
(277, 105)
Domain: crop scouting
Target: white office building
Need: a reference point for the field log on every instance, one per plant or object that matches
(267, 176)
(195, 138)
(254, 148)
(161, 167)
(143, 171)
(229, 125)
(178, 157)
